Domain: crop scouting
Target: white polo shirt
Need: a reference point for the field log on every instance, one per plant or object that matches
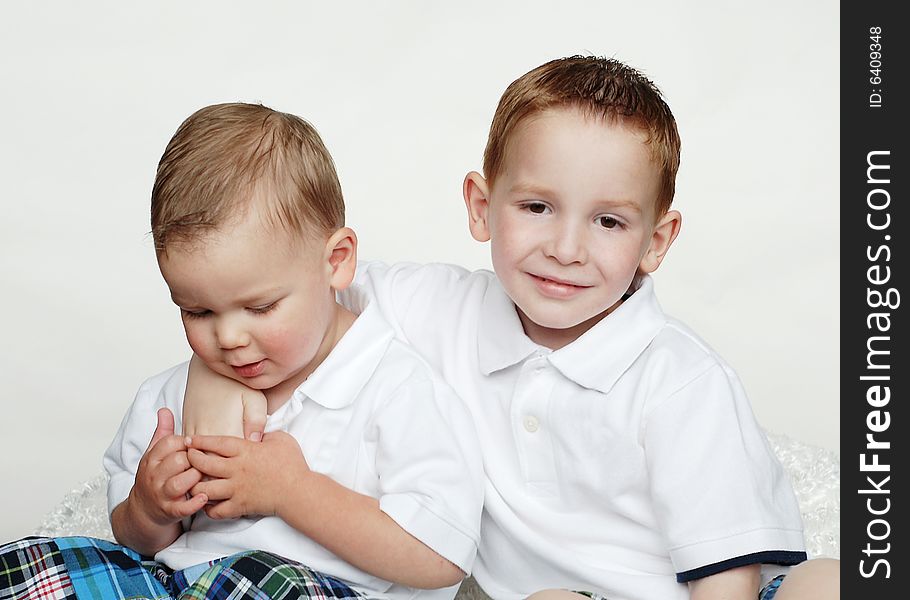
(373, 417)
(617, 464)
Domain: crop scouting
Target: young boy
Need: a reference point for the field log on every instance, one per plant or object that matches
(367, 482)
(621, 454)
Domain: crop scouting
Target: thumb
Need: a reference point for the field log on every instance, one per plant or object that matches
(165, 426)
(255, 408)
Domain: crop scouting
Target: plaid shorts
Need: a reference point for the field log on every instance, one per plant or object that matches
(79, 568)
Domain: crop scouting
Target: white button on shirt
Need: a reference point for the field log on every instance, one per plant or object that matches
(613, 463)
(373, 417)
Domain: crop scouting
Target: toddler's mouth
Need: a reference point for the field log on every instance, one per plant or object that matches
(250, 370)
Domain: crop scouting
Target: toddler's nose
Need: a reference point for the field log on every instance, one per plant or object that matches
(230, 334)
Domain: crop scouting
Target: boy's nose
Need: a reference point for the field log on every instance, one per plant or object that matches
(567, 245)
(230, 334)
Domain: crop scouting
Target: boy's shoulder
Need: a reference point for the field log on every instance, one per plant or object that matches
(676, 339)
(427, 304)
(680, 369)
(674, 354)
(407, 277)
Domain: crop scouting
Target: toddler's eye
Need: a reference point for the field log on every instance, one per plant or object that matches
(197, 314)
(538, 208)
(261, 310)
(607, 222)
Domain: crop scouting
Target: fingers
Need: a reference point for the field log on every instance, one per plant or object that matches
(223, 445)
(181, 484)
(214, 489)
(164, 428)
(174, 476)
(190, 506)
(162, 492)
(210, 464)
(167, 457)
(224, 510)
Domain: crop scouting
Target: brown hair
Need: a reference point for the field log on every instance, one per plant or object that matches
(223, 155)
(601, 87)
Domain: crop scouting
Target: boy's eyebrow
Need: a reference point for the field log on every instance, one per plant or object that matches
(627, 204)
(536, 190)
(530, 188)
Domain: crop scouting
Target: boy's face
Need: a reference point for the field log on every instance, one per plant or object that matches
(571, 220)
(256, 306)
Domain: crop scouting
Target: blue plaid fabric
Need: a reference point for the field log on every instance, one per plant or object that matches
(769, 591)
(79, 568)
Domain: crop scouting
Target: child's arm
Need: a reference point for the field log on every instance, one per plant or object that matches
(273, 478)
(149, 519)
(217, 405)
(741, 583)
(417, 300)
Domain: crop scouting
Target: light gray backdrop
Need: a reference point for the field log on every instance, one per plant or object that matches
(402, 93)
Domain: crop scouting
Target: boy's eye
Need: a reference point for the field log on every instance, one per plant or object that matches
(261, 310)
(195, 314)
(537, 208)
(607, 222)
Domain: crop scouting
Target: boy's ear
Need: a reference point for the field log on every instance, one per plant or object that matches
(665, 231)
(477, 201)
(341, 249)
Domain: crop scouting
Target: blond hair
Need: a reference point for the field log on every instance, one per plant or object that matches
(223, 155)
(600, 87)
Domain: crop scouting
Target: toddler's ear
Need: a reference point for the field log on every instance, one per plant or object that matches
(665, 231)
(341, 249)
(477, 201)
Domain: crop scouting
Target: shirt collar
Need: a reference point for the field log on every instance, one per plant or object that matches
(337, 382)
(596, 360)
(501, 340)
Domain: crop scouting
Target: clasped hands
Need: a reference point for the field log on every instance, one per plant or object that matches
(222, 462)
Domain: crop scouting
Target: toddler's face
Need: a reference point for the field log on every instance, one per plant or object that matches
(255, 306)
(570, 219)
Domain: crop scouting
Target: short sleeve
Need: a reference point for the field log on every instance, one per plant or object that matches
(429, 468)
(718, 490)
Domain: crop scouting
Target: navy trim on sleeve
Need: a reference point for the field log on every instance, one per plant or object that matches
(771, 557)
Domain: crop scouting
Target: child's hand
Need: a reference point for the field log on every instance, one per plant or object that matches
(165, 477)
(246, 478)
(217, 405)
(149, 519)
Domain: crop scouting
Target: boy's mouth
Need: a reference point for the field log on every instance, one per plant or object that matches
(249, 370)
(556, 288)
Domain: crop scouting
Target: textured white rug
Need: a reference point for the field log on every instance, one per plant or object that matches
(814, 473)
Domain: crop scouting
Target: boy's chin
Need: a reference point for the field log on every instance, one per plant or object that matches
(565, 324)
